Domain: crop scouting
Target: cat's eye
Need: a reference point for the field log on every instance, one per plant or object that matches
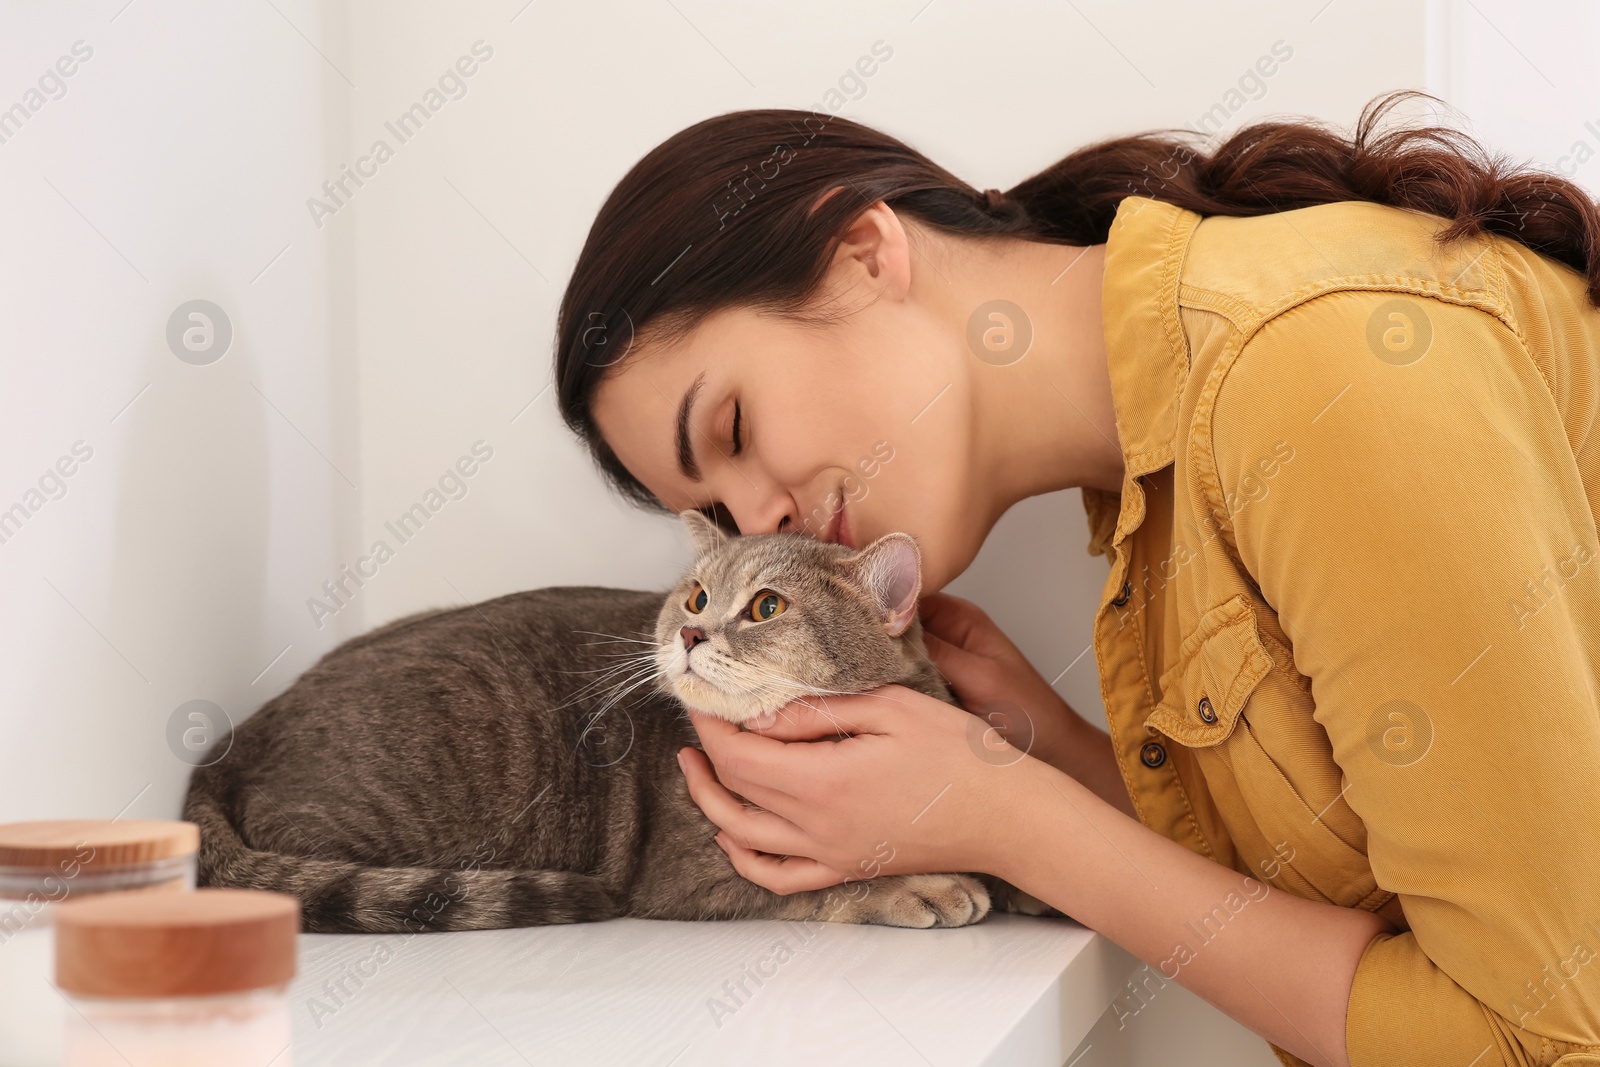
(697, 599)
(766, 605)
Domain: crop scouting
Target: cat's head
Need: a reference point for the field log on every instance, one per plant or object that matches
(761, 619)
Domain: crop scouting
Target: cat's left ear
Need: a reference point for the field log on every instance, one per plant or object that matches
(707, 534)
(891, 567)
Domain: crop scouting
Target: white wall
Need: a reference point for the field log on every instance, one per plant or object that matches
(173, 167)
(1522, 79)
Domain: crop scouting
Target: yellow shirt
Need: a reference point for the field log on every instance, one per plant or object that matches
(1349, 641)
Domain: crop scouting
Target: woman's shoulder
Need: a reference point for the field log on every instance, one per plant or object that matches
(1254, 268)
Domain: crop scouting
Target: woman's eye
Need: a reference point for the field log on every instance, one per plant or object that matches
(766, 605)
(738, 442)
(697, 599)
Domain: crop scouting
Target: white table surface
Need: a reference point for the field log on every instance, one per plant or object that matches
(1012, 990)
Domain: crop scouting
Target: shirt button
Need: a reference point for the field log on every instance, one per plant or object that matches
(1207, 712)
(1153, 754)
(1122, 597)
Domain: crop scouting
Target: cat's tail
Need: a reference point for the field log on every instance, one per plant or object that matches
(338, 896)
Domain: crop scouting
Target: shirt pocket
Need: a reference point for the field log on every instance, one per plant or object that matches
(1224, 678)
(1219, 665)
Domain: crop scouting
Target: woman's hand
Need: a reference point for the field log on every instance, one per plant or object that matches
(850, 787)
(992, 678)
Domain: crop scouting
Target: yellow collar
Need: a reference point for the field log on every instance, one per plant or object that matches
(1147, 354)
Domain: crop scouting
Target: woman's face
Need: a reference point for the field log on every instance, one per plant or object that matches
(861, 428)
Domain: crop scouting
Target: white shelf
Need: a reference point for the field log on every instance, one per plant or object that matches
(1013, 990)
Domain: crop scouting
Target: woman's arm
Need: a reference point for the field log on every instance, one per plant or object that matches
(986, 669)
(1430, 556)
(1076, 845)
(1085, 755)
(1279, 964)
(906, 776)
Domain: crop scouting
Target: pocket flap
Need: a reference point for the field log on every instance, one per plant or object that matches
(1218, 667)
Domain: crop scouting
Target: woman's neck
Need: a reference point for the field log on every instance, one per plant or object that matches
(1046, 421)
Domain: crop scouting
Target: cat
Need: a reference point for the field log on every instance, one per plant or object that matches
(514, 762)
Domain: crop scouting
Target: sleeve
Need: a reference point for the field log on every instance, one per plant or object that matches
(1431, 555)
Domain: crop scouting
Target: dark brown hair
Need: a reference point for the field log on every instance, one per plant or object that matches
(725, 214)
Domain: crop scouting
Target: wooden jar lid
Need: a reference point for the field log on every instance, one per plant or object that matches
(176, 944)
(49, 843)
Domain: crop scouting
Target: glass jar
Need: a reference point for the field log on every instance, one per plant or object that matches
(46, 862)
(199, 979)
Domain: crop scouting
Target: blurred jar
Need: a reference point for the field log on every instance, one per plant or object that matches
(47, 862)
(197, 979)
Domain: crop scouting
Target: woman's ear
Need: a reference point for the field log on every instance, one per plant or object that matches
(891, 568)
(707, 534)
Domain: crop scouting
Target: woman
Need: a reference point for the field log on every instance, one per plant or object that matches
(1331, 404)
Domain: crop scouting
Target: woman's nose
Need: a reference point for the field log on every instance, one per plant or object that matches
(757, 502)
(774, 515)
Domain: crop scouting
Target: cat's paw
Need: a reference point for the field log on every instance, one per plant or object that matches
(923, 901)
(1027, 904)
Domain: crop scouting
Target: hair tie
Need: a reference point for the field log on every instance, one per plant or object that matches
(993, 198)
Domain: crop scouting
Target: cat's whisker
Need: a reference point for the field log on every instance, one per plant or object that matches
(735, 671)
(638, 672)
(601, 685)
(623, 689)
(633, 674)
(826, 714)
(797, 684)
(755, 679)
(799, 697)
(631, 657)
(613, 638)
(805, 691)
(620, 674)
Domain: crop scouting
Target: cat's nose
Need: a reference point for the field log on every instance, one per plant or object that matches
(692, 635)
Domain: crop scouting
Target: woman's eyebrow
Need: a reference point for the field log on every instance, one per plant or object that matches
(686, 463)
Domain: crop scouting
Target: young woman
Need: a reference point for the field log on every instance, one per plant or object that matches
(1332, 404)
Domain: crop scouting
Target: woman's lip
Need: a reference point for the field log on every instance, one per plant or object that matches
(844, 527)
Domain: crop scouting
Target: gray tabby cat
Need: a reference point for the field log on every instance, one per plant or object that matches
(514, 762)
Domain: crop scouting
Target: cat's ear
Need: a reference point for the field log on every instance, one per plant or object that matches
(891, 567)
(707, 534)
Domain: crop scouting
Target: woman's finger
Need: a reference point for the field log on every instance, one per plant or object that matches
(710, 726)
(961, 623)
(748, 762)
(949, 616)
(953, 661)
(756, 767)
(757, 828)
(781, 874)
